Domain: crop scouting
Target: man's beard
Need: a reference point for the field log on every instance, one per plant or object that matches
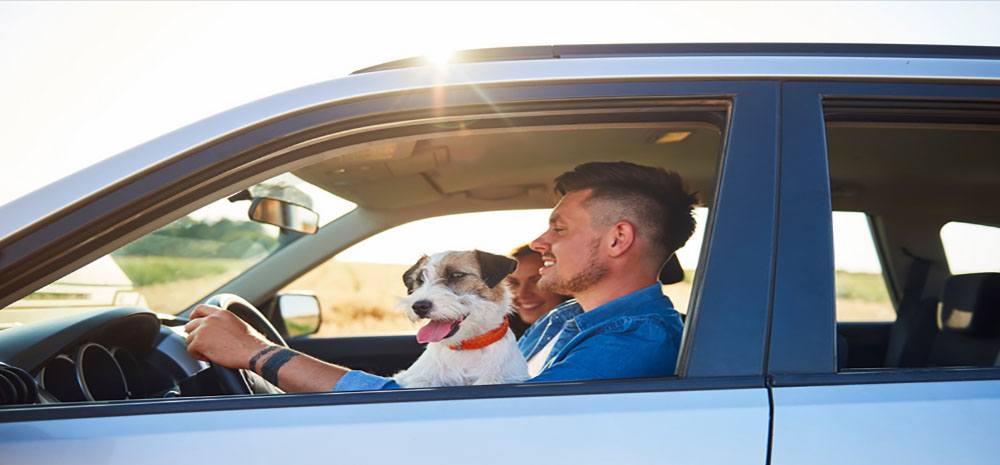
(592, 272)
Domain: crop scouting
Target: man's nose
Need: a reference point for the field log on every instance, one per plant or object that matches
(540, 244)
(422, 308)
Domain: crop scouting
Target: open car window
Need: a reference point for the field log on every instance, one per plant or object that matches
(360, 288)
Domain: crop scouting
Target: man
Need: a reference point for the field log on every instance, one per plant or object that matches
(614, 227)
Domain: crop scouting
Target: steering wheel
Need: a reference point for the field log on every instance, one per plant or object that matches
(232, 380)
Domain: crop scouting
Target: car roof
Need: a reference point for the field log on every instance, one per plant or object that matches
(697, 49)
(492, 66)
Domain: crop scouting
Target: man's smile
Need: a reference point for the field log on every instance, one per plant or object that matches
(547, 262)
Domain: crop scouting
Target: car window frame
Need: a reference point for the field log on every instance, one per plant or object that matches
(803, 344)
(724, 340)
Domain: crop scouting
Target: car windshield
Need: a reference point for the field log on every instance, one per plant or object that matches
(175, 266)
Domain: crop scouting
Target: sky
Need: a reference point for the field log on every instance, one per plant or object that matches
(83, 81)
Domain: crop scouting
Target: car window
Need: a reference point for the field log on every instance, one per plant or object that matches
(178, 264)
(910, 178)
(971, 248)
(860, 283)
(359, 289)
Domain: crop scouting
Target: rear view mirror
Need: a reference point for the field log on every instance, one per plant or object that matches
(284, 215)
(301, 313)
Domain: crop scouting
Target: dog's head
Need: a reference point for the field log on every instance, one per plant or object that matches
(463, 294)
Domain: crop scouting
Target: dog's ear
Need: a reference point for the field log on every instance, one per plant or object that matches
(494, 267)
(410, 275)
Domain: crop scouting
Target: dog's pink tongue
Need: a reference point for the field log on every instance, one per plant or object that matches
(434, 331)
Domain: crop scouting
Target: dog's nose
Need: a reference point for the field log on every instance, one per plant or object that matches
(422, 308)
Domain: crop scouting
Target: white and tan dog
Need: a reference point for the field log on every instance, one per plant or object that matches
(463, 296)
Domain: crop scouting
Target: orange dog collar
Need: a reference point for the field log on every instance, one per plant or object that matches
(483, 340)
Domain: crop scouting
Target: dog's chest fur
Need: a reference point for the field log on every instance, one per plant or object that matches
(499, 363)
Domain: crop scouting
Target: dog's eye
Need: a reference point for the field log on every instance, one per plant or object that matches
(457, 275)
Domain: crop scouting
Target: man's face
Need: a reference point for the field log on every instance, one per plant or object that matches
(570, 248)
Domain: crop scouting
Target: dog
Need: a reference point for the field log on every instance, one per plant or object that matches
(463, 296)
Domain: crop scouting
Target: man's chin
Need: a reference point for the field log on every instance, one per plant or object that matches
(552, 286)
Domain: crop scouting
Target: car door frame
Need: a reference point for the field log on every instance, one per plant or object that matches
(721, 368)
(739, 234)
(888, 407)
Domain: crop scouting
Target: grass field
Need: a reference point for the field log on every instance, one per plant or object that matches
(147, 271)
(362, 298)
(863, 297)
(358, 298)
(171, 284)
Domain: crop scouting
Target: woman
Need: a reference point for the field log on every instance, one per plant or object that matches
(530, 302)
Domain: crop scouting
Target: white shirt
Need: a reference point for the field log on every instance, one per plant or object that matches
(536, 363)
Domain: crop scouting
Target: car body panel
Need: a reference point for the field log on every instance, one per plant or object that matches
(912, 423)
(724, 427)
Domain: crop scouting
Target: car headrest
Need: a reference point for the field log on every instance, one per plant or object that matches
(970, 305)
(671, 271)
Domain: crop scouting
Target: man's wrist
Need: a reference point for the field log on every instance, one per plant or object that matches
(256, 361)
(269, 368)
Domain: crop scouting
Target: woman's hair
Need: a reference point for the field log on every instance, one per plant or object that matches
(523, 251)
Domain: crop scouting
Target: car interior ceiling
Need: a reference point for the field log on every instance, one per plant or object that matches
(912, 179)
(498, 165)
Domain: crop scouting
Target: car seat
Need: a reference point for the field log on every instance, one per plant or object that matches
(969, 322)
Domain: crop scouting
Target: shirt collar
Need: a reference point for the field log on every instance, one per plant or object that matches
(626, 305)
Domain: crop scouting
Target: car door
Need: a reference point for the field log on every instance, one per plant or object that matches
(921, 415)
(715, 411)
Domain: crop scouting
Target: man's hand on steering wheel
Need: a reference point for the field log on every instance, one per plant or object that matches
(229, 335)
(219, 336)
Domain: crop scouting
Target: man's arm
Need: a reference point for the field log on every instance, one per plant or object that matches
(221, 337)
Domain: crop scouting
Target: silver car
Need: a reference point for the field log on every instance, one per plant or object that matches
(776, 365)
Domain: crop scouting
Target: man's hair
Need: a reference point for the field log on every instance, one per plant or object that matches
(653, 199)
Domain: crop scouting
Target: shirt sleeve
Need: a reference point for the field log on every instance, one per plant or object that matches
(357, 380)
(648, 351)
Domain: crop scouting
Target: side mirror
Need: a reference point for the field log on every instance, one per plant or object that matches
(301, 313)
(284, 215)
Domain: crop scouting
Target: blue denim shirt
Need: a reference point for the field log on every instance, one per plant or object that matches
(634, 336)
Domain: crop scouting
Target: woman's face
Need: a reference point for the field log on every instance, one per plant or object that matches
(529, 301)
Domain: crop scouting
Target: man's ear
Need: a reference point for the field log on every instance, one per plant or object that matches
(494, 267)
(410, 275)
(621, 238)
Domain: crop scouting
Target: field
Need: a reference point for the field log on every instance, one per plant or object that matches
(171, 284)
(362, 298)
(862, 297)
(358, 298)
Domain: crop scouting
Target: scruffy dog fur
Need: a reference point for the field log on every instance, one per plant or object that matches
(463, 295)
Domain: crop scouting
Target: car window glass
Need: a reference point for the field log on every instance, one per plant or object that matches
(971, 248)
(178, 264)
(360, 287)
(913, 167)
(860, 284)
